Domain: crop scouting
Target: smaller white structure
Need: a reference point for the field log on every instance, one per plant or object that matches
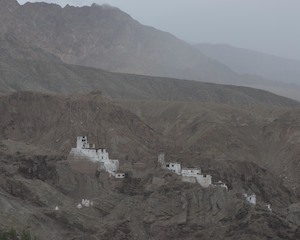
(79, 206)
(171, 166)
(192, 175)
(56, 208)
(221, 184)
(161, 159)
(174, 167)
(85, 203)
(120, 175)
(251, 198)
(269, 207)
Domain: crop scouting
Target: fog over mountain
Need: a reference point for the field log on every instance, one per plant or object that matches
(268, 26)
(251, 62)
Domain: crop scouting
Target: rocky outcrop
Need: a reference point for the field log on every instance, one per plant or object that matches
(294, 213)
(39, 167)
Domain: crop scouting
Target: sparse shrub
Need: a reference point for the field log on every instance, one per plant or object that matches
(12, 235)
(3, 236)
(26, 235)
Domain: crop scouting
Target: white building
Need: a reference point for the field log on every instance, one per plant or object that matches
(88, 151)
(192, 175)
(173, 167)
(251, 198)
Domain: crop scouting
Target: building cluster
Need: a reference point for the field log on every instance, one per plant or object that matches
(99, 156)
(85, 203)
(192, 175)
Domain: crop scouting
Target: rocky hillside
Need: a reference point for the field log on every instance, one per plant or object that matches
(51, 123)
(268, 137)
(13, 48)
(37, 131)
(157, 206)
(44, 76)
(115, 41)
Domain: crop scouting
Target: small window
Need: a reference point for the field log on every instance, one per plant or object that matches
(167, 165)
(172, 165)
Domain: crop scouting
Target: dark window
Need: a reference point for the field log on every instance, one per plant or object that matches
(172, 165)
(167, 165)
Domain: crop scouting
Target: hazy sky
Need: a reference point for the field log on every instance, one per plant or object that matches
(271, 26)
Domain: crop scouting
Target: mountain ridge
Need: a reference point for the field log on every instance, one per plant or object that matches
(246, 61)
(31, 75)
(110, 39)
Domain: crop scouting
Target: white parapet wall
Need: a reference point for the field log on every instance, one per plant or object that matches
(192, 172)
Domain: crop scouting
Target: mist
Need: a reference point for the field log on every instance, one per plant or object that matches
(269, 26)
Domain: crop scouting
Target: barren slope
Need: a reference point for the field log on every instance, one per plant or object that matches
(52, 122)
(267, 136)
(115, 41)
(45, 76)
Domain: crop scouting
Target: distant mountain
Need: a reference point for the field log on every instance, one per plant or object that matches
(42, 76)
(107, 38)
(102, 37)
(11, 47)
(245, 61)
